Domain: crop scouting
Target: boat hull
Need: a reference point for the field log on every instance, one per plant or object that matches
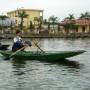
(50, 56)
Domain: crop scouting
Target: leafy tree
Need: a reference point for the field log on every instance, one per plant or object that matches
(39, 21)
(31, 25)
(22, 14)
(35, 20)
(70, 17)
(45, 21)
(70, 23)
(53, 20)
(85, 15)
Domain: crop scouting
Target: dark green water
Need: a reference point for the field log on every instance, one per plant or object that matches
(72, 74)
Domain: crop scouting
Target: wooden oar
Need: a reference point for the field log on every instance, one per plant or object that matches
(16, 52)
(38, 47)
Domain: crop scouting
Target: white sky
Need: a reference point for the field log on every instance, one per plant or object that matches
(59, 8)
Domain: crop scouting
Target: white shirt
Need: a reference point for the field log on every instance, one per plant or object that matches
(17, 39)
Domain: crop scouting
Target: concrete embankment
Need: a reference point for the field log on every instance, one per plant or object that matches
(79, 35)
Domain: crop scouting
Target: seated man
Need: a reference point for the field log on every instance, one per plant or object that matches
(18, 42)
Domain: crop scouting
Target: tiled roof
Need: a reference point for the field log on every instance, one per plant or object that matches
(76, 22)
(82, 22)
(67, 21)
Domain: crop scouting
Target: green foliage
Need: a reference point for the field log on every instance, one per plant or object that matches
(85, 15)
(31, 26)
(39, 20)
(45, 21)
(70, 17)
(22, 14)
(70, 26)
(3, 17)
(53, 20)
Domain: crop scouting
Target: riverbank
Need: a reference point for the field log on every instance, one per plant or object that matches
(70, 35)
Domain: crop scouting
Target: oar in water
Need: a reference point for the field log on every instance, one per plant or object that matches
(38, 47)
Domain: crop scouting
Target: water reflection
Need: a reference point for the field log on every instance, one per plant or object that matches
(65, 62)
(19, 73)
(43, 75)
(70, 64)
(18, 65)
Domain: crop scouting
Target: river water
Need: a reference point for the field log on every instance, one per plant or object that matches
(71, 74)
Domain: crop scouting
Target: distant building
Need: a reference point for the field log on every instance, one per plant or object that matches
(83, 25)
(80, 25)
(32, 13)
(7, 22)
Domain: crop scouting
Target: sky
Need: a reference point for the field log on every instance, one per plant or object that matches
(58, 8)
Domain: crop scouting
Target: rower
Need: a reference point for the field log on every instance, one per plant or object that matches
(18, 42)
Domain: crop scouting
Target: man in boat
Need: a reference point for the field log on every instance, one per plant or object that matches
(18, 42)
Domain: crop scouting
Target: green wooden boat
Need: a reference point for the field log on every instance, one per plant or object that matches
(50, 56)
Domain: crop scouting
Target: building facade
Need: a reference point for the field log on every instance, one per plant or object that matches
(32, 13)
(77, 25)
(83, 25)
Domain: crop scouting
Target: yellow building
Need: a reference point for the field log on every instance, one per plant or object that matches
(32, 13)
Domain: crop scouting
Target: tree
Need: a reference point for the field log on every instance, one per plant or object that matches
(22, 14)
(53, 20)
(47, 22)
(70, 17)
(31, 25)
(39, 21)
(85, 15)
(35, 20)
(70, 23)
